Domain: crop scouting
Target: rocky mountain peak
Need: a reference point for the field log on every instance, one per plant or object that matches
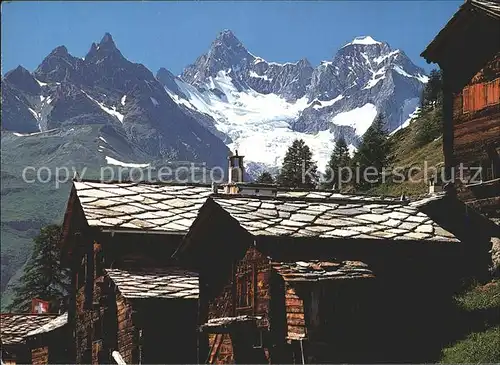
(227, 38)
(363, 40)
(58, 66)
(17, 72)
(104, 49)
(226, 48)
(107, 41)
(60, 51)
(22, 79)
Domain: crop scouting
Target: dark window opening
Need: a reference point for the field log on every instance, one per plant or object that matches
(244, 287)
(257, 341)
(81, 274)
(99, 262)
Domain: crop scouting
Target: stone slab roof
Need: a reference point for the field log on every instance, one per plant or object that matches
(325, 194)
(304, 271)
(326, 219)
(15, 327)
(54, 324)
(161, 207)
(158, 207)
(158, 283)
(173, 209)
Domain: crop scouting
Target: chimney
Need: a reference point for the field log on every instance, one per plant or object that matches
(236, 170)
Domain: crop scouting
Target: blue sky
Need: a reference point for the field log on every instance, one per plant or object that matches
(172, 34)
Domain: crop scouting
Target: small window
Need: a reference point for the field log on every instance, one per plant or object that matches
(244, 287)
(81, 273)
(257, 342)
(97, 329)
(99, 264)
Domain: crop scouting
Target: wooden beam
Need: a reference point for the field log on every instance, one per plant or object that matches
(448, 125)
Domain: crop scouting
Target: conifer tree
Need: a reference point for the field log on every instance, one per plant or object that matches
(298, 170)
(339, 159)
(43, 276)
(432, 94)
(265, 178)
(373, 152)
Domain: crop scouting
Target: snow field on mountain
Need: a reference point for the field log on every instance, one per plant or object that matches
(258, 124)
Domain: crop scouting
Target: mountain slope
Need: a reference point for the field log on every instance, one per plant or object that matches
(260, 107)
(105, 88)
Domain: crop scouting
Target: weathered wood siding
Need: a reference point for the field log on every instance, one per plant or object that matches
(255, 269)
(476, 136)
(101, 317)
(40, 355)
(295, 320)
(127, 333)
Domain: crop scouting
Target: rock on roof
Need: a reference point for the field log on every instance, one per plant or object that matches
(15, 327)
(327, 219)
(159, 283)
(170, 208)
(316, 270)
(54, 324)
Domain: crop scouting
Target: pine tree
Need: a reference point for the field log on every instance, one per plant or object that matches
(373, 152)
(265, 178)
(432, 94)
(339, 159)
(298, 170)
(43, 276)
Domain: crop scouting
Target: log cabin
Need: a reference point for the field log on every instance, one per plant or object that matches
(50, 343)
(468, 52)
(118, 240)
(314, 280)
(14, 329)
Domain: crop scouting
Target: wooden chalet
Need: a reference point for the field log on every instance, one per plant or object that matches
(128, 299)
(467, 50)
(50, 343)
(14, 329)
(318, 280)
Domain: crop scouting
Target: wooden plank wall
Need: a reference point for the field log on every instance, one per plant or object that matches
(476, 126)
(294, 313)
(40, 355)
(127, 333)
(224, 304)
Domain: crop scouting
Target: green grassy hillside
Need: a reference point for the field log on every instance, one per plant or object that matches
(479, 343)
(412, 148)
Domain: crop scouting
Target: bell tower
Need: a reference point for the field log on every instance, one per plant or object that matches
(236, 170)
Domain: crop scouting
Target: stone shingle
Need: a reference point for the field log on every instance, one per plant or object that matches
(325, 219)
(15, 327)
(173, 208)
(159, 283)
(322, 270)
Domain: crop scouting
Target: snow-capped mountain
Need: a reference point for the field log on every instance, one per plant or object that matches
(104, 89)
(228, 96)
(259, 107)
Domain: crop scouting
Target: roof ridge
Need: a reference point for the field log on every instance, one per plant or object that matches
(311, 199)
(143, 182)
